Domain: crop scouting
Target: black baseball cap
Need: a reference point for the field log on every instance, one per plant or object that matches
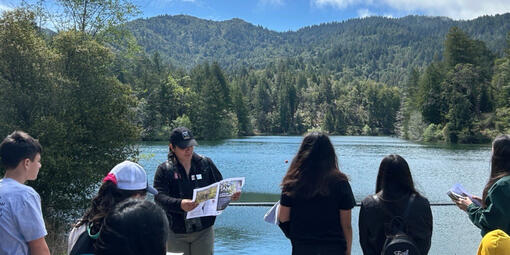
(182, 137)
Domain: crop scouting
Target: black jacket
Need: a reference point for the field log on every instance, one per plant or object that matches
(372, 220)
(173, 185)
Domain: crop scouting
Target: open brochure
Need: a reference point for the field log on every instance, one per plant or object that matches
(213, 199)
(457, 191)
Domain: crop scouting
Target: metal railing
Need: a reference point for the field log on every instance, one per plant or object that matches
(269, 204)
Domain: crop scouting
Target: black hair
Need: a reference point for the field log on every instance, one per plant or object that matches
(313, 168)
(500, 163)
(17, 147)
(394, 177)
(134, 226)
(107, 197)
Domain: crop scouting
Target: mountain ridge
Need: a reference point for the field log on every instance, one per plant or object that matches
(370, 44)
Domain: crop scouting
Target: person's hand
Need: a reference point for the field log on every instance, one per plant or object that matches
(188, 205)
(463, 203)
(477, 198)
(236, 196)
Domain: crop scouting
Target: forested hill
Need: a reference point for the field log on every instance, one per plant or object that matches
(379, 48)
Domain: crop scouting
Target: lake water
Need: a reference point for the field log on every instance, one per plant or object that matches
(261, 159)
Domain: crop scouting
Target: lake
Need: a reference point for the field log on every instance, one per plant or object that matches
(261, 159)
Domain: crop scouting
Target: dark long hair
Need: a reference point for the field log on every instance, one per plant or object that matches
(313, 168)
(500, 163)
(107, 197)
(134, 226)
(394, 177)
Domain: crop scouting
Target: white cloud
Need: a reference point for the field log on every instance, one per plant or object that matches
(456, 9)
(363, 13)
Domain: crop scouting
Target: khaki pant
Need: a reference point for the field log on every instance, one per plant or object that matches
(198, 243)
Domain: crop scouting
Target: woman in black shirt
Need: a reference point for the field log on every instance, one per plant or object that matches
(316, 200)
(394, 187)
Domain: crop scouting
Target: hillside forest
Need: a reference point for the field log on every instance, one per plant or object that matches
(420, 78)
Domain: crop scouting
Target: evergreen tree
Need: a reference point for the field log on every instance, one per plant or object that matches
(501, 87)
(210, 112)
(262, 105)
(242, 113)
(461, 91)
(429, 97)
(458, 48)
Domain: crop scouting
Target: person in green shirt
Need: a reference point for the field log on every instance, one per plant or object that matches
(494, 212)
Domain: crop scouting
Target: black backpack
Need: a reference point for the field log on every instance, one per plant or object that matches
(398, 242)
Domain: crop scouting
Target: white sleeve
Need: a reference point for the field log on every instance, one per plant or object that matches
(73, 237)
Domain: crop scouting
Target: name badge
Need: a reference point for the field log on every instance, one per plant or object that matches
(193, 177)
(199, 177)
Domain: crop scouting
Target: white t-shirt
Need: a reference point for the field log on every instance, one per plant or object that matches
(21, 219)
(73, 237)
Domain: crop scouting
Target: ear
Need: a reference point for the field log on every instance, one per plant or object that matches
(26, 162)
(171, 147)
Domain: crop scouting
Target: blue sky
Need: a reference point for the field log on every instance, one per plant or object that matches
(283, 15)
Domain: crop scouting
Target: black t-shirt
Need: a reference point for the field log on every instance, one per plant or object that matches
(317, 220)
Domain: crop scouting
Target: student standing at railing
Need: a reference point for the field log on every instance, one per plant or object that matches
(394, 187)
(316, 200)
(495, 210)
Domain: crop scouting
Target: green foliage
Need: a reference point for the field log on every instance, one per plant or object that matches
(456, 93)
(211, 108)
(66, 95)
(501, 89)
(433, 133)
(181, 121)
(429, 99)
(241, 110)
(416, 126)
(458, 48)
(366, 130)
(279, 106)
(503, 120)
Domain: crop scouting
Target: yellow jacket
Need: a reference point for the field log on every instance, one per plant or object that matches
(496, 242)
